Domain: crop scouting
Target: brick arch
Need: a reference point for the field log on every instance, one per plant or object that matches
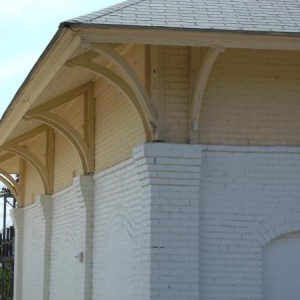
(269, 232)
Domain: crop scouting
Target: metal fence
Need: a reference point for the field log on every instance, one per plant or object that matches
(7, 239)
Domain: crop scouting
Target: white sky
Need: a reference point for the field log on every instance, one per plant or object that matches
(26, 27)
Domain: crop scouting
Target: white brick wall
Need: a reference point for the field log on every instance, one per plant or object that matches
(172, 172)
(249, 196)
(50, 235)
(184, 222)
(65, 245)
(35, 245)
(121, 259)
(71, 236)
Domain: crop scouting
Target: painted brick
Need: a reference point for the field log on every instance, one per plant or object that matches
(121, 234)
(244, 195)
(172, 273)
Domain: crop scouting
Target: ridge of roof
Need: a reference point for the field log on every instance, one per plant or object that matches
(261, 16)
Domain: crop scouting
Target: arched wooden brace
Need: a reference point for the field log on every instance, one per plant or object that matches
(84, 146)
(200, 84)
(10, 183)
(33, 160)
(84, 61)
(129, 74)
(69, 132)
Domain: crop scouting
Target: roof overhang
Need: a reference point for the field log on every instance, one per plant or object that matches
(61, 47)
(69, 39)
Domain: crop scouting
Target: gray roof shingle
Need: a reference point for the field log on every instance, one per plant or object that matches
(264, 16)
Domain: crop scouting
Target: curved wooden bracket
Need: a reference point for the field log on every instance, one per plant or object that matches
(129, 74)
(135, 93)
(69, 132)
(10, 183)
(123, 86)
(200, 84)
(35, 162)
(83, 145)
(45, 171)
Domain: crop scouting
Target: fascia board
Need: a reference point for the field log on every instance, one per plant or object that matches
(188, 38)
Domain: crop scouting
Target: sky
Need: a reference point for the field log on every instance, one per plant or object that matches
(26, 28)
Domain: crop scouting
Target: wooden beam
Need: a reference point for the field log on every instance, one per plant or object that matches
(89, 125)
(50, 152)
(28, 135)
(22, 181)
(81, 90)
(157, 93)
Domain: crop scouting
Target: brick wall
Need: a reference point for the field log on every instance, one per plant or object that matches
(33, 246)
(173, 222)
(71, 227)
(172, 172)
(121, 260)
(248, 197)
(34, 231)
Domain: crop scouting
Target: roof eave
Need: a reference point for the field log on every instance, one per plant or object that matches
(185, 37)
(68, 24)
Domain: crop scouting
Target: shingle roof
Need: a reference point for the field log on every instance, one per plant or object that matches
(268, 16)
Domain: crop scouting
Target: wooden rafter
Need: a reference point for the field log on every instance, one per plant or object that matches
(132, 90)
